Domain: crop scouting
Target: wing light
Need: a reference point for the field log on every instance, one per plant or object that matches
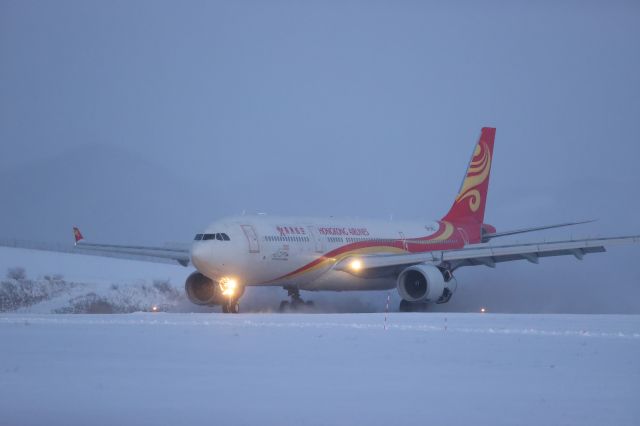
(356, 265)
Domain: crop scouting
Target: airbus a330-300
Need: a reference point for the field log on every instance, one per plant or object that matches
(331, 254)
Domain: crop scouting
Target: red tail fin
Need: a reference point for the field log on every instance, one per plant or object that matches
(468, 207)
(77, 235)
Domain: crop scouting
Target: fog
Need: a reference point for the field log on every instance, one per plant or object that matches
(144, 121)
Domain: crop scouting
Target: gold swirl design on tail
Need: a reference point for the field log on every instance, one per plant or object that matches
(474, 199)
(478, 172)
(448, 231)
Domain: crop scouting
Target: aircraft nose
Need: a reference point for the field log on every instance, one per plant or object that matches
(200, 256)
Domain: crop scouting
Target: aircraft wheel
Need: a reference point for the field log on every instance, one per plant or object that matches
(233, 308)
(294, 305)
(406, 306)
(284, 306)
(225, 308)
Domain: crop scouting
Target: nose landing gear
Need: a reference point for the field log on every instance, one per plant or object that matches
(231, 307)
(296, 303)
(231, 294)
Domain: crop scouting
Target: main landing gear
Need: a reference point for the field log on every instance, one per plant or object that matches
(406, 306)
(296, 302)
(231, 307)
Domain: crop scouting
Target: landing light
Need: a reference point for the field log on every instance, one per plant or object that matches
(483, 310)
(154, 308)
(228, 286)
(356, 265)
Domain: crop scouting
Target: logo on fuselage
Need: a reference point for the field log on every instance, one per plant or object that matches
(290, 230)
(344, 231)
(282, 253)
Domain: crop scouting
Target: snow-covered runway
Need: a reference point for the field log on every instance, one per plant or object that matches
(319, 369)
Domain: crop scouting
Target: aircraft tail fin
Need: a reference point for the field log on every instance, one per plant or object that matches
(468, 207)
(77, 235)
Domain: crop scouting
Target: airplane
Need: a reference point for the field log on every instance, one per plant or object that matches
(329, 254)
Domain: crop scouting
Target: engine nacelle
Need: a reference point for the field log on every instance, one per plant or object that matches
(202, 290)
(423, 283)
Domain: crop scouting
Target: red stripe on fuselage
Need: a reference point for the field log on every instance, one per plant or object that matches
(410, 245)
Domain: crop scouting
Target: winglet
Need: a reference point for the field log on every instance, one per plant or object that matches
(77, 235)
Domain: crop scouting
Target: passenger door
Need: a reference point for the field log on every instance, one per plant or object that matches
(404, 241)
(465, 236)
(317, 239)
(252, 238)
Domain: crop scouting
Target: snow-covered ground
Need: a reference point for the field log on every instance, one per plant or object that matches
(319, 369)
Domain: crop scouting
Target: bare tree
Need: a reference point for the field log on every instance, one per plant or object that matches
(17, 273)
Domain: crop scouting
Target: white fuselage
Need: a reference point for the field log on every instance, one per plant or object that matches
(301, 251)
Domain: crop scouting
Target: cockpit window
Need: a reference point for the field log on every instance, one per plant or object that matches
(220, 236)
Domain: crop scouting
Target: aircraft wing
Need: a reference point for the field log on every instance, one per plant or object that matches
(479, 254)
(167, 254)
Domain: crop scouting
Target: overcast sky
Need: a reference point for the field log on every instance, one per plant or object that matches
(149, 119)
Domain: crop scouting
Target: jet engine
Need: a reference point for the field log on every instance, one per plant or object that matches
(202, 290)
(425, 283)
